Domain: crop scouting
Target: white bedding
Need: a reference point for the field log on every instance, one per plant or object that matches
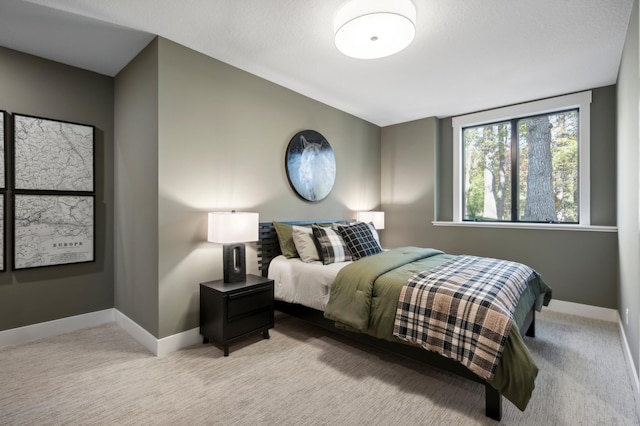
(307, 284)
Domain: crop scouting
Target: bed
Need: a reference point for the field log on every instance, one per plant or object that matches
(516, 370)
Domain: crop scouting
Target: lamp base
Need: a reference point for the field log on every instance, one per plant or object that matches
(233, 262)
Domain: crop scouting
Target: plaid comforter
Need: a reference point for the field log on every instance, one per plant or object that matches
(463, 309)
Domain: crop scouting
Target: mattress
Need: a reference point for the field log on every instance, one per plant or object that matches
(307, 284)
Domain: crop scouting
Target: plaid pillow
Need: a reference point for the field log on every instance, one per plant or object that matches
(359, 240)
(331, 246)
(374, 231)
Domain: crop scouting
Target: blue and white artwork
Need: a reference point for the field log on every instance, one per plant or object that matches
(311, 165)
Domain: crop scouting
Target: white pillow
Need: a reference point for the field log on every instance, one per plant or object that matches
(303, 239)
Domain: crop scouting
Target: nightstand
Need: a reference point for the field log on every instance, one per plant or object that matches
(230, 311)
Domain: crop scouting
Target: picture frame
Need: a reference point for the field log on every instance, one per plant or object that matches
(53, 229)
(310, 165)
(3, 228)
(3, 149)
(52, 155)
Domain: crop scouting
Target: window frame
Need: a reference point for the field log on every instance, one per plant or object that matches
(580, 101)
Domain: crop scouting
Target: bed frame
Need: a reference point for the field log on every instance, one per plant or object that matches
(268, 247)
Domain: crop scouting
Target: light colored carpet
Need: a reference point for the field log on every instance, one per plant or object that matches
(302, 376)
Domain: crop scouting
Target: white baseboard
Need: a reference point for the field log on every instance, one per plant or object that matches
(175, 342)
(178, 341)
(588, 311)
(628, 358)
(42, 330)
(145, 338)
(158, 347)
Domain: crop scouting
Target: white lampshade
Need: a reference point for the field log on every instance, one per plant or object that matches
(377, 218)
(232, 227)
(369, 29)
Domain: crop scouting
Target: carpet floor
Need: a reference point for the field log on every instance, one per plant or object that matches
(303, 376)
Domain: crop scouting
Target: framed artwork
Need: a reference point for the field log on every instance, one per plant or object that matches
(3, 149)
(52, 155)
(3, 215)
(311, 165)
(53, 230)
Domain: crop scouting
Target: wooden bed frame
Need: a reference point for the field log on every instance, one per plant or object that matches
(268, 247)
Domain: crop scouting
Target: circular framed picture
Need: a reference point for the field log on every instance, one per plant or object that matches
(311, 165)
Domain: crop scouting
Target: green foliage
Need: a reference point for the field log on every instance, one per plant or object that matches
(487, 172)
(487, 168)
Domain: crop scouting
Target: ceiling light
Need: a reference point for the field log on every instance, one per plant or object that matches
(368, 29)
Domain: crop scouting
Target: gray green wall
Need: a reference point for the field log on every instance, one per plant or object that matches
(628, 184)
(221, 140)
(35, 86)
(417, 168)
(408, 186)
(603, 160)
(194, 135)
(136, 183)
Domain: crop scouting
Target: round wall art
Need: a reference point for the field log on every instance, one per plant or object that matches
(311, 166)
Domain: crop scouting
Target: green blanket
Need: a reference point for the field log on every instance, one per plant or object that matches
(365, 294)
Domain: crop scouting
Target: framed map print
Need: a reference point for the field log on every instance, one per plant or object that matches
(3, 209)
(51, 155)
(52, 230)
(3, 150)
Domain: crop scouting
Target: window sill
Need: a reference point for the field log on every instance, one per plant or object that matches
(538, 226)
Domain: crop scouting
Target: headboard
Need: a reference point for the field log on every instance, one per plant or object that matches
(268, 245)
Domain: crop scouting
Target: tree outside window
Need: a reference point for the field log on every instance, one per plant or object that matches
(522, 170)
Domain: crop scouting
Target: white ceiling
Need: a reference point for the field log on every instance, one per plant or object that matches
(468, 55)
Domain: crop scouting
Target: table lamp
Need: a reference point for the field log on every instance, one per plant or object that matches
(232, 230)
(377, 218)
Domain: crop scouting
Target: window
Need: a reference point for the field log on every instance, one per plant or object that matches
(526, 163)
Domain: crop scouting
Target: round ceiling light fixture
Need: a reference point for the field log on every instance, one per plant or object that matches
(369, 29)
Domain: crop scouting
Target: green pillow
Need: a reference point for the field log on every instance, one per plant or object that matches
(285, 238)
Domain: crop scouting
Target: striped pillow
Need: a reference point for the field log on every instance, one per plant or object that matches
(359, 240)
(332, 248)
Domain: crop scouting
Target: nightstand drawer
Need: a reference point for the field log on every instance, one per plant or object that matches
(248, 301)
(241, 325)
